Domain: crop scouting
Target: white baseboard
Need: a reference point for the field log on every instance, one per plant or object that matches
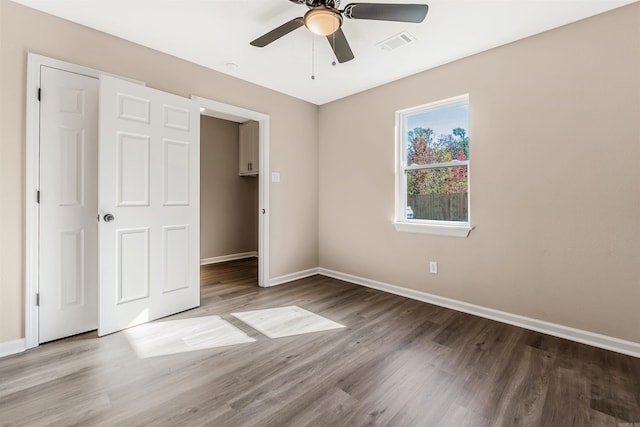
(585, 337)
(12, 347)
(225, 258)
(293, 276)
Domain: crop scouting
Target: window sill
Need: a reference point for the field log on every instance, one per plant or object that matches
(462, 230)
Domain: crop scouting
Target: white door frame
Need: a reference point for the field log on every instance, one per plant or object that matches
(232, 112)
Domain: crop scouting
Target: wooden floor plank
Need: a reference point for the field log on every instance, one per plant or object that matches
(397, 362)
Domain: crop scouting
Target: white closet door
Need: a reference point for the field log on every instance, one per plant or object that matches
(149, 197)
(68, 256)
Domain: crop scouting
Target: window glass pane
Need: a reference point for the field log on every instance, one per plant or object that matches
(438, 136)
(438, 194)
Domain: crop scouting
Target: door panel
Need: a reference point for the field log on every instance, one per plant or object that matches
(68, 280)
(150, 182)
(176, 257)
(132, 260)
(176, 173)
(71, 268)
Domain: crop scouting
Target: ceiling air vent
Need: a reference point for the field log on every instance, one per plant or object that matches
(396, 41)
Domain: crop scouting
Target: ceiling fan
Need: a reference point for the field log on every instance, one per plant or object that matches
(325, 19)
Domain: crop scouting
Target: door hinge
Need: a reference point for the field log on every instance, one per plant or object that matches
(39, 94)
(38, 196)
(38, 299)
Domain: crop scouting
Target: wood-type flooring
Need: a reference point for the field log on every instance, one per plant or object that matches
(398, 362)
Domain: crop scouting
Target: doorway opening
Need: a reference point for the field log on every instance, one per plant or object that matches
(229, 199)
(245, 170)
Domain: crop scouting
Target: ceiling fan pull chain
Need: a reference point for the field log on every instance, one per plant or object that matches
(333, 50)
(313, 62)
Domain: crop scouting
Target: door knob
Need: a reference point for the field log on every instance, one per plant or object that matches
(109, 218)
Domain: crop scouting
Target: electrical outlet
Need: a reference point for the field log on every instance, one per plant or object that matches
(433, 267)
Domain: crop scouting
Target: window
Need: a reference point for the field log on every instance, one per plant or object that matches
(433, 171)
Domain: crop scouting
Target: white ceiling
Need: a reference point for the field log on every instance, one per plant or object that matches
(216, 34)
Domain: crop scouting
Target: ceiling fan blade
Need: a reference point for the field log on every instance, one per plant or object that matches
(387, 11)
(275, 34)
(340, 46)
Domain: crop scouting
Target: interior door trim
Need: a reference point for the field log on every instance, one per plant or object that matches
(234, 113)
(32, 239)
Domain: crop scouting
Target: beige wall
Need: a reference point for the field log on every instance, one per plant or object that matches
(228, 202)
(555, 188)
(293, 134)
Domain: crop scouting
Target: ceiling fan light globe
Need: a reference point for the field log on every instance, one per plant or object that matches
(322, 21)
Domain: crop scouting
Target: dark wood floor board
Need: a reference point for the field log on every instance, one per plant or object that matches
(492, 387)
(614, 374)
(163, 395)
(568, 401)
(412, 393)
(347, 301)
(327, 409)
(383, 360)
(37, 374)
(397, 362)
(49, 397)
(479, 350)
(597, 418)
(523, 399)
(401, 386)
(615, 398)
(264, 298)
(167, 403)
(317, 363)
(460, 416)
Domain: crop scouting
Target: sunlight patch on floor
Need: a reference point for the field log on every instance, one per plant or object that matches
(184, 335)
(286, 321)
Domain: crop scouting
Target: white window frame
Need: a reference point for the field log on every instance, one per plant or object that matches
(423, 226)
